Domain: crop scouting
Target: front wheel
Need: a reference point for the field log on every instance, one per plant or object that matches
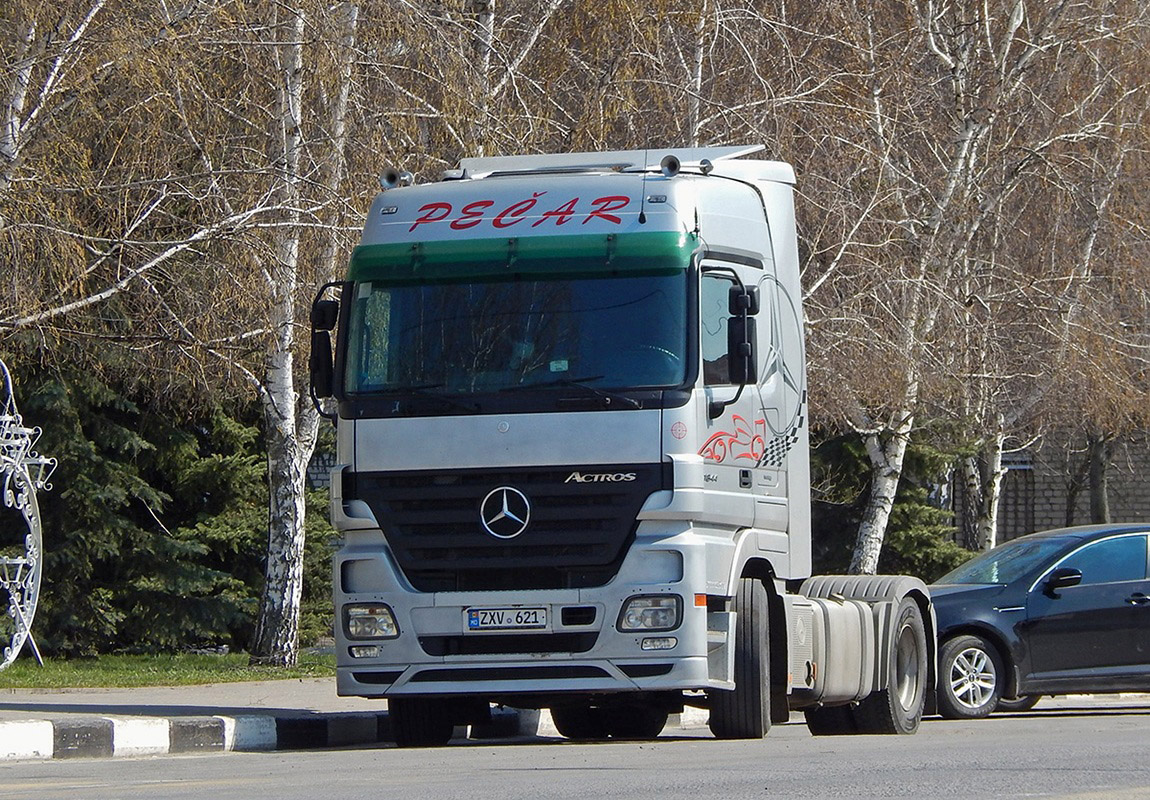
(420, 722)
(971, 676)
(744, 712)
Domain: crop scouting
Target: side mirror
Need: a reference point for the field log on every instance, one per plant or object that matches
(741, 352)
(743, 301)
(322, 369)
(324, 314)
(1061, 578)
(321, 363)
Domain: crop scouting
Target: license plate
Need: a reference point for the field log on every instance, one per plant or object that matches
(505, 619)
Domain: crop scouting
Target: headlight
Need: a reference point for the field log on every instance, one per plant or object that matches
(651, 613)
(369, 621)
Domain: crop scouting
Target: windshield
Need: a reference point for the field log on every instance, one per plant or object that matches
(491, 336)
(1006, 563)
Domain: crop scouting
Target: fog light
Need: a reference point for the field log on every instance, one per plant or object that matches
(369, 621)
(650, 613)
(365, 651)
(660, 643)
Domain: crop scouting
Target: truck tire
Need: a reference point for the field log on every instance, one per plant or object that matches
(744, 712)
(580, 723)
(419, 721)
(833, 721)
(898, 708)
(634, 721)
(970, 677)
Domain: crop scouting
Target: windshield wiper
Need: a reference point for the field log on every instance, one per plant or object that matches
(579, 383)
(424, 390)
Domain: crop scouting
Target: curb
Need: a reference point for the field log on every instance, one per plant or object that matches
(123, 737)
(111, 737)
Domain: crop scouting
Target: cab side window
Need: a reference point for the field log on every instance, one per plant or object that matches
(1111, 560)
(713, 314)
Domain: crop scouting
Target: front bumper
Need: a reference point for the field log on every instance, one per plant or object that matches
(436, 653)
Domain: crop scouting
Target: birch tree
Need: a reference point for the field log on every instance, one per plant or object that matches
(953, 108)
(1020, 358)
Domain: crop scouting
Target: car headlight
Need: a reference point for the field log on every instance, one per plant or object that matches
(369, 621)
(651, 613)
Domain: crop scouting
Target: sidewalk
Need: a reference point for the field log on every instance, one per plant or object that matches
(258, 715)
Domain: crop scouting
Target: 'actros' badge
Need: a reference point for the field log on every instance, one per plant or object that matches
(505, 512)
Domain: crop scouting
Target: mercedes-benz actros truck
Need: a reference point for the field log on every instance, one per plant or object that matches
(570, 400)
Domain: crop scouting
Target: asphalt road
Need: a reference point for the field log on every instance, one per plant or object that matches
(1091, 750)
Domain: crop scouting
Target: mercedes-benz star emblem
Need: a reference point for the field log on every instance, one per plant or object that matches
(505, 512)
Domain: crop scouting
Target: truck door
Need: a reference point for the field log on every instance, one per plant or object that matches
(739, 427)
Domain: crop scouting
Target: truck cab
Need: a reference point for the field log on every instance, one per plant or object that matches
(571, 405)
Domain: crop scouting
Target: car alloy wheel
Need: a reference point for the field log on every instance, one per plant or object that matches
(972, 677)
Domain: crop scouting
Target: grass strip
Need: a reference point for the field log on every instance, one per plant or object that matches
(111, 671)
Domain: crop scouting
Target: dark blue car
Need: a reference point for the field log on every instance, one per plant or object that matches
(1056, 612)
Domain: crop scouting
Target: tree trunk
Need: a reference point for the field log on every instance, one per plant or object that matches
(1098, 453)
(1074, 486)
(484, 11)
(991, 474)
(291, 421)
(276, 639)
(695, 97)
(886, 469)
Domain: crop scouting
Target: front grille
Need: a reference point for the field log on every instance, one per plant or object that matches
(500, 644)
(577, 534)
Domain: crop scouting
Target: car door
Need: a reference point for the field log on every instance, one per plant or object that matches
(1089, 636)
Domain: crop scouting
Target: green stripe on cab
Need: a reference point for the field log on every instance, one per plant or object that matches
(529, 256)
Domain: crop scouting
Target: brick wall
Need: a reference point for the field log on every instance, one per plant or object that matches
(1036, 490)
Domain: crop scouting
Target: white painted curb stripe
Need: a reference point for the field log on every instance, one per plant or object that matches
(139, 736)
(27, 739)
(250, 733)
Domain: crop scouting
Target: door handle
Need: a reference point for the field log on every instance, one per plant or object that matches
(1138, 599)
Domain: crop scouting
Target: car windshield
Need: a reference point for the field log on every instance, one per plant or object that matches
(468, 337)
(1007, 562)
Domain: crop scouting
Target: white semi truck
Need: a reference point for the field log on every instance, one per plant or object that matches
(573, 459)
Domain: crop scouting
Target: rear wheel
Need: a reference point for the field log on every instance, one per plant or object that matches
(970, 680)
(898, 708)
(744, 712)
(420, 722)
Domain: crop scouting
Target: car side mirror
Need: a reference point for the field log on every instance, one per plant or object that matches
(1061, 578)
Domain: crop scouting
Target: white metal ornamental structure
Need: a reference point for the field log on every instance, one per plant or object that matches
(22, 472)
